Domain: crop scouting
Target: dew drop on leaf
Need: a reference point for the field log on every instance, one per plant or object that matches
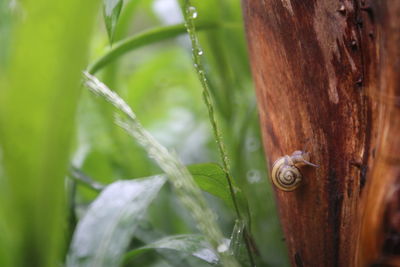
(222, 248)
(192, 12)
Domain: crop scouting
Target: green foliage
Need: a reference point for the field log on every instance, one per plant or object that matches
(141, 39)
(210, 177)
(208, 213)
(194, 245)
(39, 91)
(104, 233)
(111, 11)
(178, 174)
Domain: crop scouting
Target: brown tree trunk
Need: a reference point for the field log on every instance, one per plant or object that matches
(327, 78)
(379, 240)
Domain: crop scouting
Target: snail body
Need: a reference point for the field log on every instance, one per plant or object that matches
(286, 174)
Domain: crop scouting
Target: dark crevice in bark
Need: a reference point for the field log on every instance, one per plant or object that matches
(361, 83)
(335, 210)
(298, 260)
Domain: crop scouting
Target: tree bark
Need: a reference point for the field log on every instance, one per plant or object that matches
(327, 80)
(379, 241)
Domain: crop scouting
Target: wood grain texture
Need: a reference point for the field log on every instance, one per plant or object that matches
(317, 66)
(379, 241)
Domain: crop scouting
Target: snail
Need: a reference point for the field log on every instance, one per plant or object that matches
(286, 174)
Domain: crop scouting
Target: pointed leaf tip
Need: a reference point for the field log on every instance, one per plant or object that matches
(111, 11)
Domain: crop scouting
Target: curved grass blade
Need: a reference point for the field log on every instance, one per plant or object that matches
(104, 233)
(194, 245)
(186, 188)
(142, 39)
(111, 11)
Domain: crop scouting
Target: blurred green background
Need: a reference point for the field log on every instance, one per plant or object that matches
(50, 124)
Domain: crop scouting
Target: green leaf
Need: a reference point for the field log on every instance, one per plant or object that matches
(142, 39)
(111, 11)
(210, 177)
(147, 233)
(105, 231)
(39, 91)
(194, 245)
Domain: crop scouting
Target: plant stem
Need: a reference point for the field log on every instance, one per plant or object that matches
(190, 15)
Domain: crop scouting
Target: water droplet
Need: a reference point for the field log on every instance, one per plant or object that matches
(253, 176)
(200, 52)
(252, 144)
(192, 12)
(222, 248)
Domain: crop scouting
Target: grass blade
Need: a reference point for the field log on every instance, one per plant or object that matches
(111, 11)
(185, 186)
(194, 245)
(142, 39)
(39, 90)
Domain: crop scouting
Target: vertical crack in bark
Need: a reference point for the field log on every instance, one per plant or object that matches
(362, 84)
(298, 260)
(335, 204)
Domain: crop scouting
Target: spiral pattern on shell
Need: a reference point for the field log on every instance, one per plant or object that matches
(284, 176)
(288, 175)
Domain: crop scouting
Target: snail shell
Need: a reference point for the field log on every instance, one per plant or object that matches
(286, 174)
